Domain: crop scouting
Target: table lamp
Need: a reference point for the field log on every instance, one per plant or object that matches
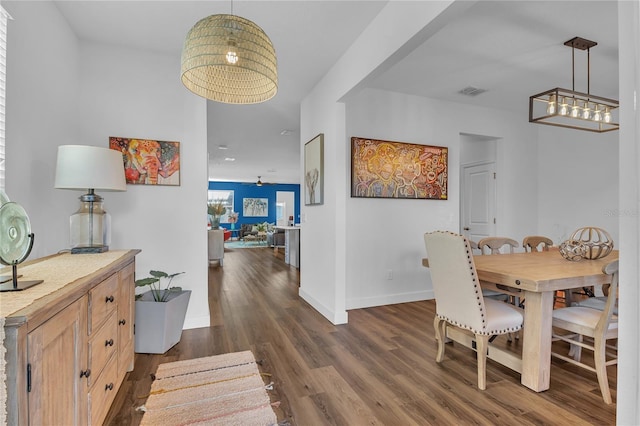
(90, 168)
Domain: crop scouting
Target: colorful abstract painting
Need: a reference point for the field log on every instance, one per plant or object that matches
(149, 162)
(384, 169)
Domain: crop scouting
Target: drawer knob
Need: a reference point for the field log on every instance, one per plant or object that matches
(86, 373)
(109, 299)
(108, 387)
(122, 322)
(109, 342)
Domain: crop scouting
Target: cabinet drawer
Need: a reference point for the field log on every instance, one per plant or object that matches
(102, 345)
(102, 301)
(103, 392)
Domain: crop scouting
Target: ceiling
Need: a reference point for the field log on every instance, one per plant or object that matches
(511, 49)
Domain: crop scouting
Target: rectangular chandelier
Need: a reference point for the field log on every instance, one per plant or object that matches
(575, 110)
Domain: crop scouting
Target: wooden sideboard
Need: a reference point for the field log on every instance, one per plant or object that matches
(69, 350)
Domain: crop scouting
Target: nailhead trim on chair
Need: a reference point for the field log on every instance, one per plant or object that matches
(478, 290)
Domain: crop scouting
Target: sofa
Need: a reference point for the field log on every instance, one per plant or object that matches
(246, 229)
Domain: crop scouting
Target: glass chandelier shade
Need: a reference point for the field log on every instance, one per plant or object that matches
(575, 110)
(229, 59)
(90, 168)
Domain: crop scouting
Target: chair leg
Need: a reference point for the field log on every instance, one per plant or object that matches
(440, 328)
(482, 343)
(599, 357)
(575, 351)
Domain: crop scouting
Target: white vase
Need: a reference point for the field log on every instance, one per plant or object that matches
(158, 325)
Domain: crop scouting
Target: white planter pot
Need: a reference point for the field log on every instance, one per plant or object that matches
(159, 325)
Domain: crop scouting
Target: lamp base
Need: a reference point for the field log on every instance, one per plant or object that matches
(92, 249)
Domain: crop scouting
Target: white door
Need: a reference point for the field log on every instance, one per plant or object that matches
(478, 201)
(285, 199)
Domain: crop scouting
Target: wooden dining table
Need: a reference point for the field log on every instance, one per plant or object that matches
(538, 275)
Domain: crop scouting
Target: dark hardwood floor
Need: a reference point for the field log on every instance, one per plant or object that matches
(377, 370)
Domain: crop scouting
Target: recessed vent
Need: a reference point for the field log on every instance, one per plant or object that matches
(471, 91)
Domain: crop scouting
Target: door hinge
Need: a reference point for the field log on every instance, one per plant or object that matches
(494, 175)
(494, 220)
(28, 377)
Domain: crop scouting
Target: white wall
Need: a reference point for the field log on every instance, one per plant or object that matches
(477, 149)
(133, 93)
(63, 92)
(42, 113)
(578, 178)
(387, 234)
(628, 395)
(398, 27)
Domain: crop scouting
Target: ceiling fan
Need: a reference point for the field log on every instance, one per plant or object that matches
(259, 182)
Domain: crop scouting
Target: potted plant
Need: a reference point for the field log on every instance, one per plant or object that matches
(216, 210)
(160, 313)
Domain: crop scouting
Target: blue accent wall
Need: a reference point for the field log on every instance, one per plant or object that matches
(248, 190)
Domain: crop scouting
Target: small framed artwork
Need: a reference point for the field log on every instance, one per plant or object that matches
(254, 207)
(313, 171)
(149, 162)
(384, 169)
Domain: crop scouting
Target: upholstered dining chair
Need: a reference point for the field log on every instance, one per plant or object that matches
(533, 242)
(459, 300)
(597, 302)
(598, 325)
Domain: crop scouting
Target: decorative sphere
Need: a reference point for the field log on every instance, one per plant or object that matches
(573, 250)
(598, 243)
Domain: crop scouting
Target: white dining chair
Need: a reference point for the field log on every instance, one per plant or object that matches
(494, 294)
(459, 300)
(598, 325)
(534, 243)
(497, 245)
(501, 245)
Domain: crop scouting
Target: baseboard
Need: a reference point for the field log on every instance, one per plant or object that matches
(199, 322)
(335, 318)
(389, 299)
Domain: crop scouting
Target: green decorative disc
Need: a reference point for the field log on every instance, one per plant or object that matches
(14, 233)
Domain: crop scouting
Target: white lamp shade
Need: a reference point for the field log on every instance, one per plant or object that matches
(82, 167)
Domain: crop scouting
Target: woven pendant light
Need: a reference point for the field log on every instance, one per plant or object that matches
(229, 59)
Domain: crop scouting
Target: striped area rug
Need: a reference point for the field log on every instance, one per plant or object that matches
(217, 390)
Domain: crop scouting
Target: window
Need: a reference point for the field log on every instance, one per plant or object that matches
(226, 198)
(4, 16)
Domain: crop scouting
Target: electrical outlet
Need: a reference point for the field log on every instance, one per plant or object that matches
(389, 274)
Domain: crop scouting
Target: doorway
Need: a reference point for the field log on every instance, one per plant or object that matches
(478, 195)
(284, 207)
